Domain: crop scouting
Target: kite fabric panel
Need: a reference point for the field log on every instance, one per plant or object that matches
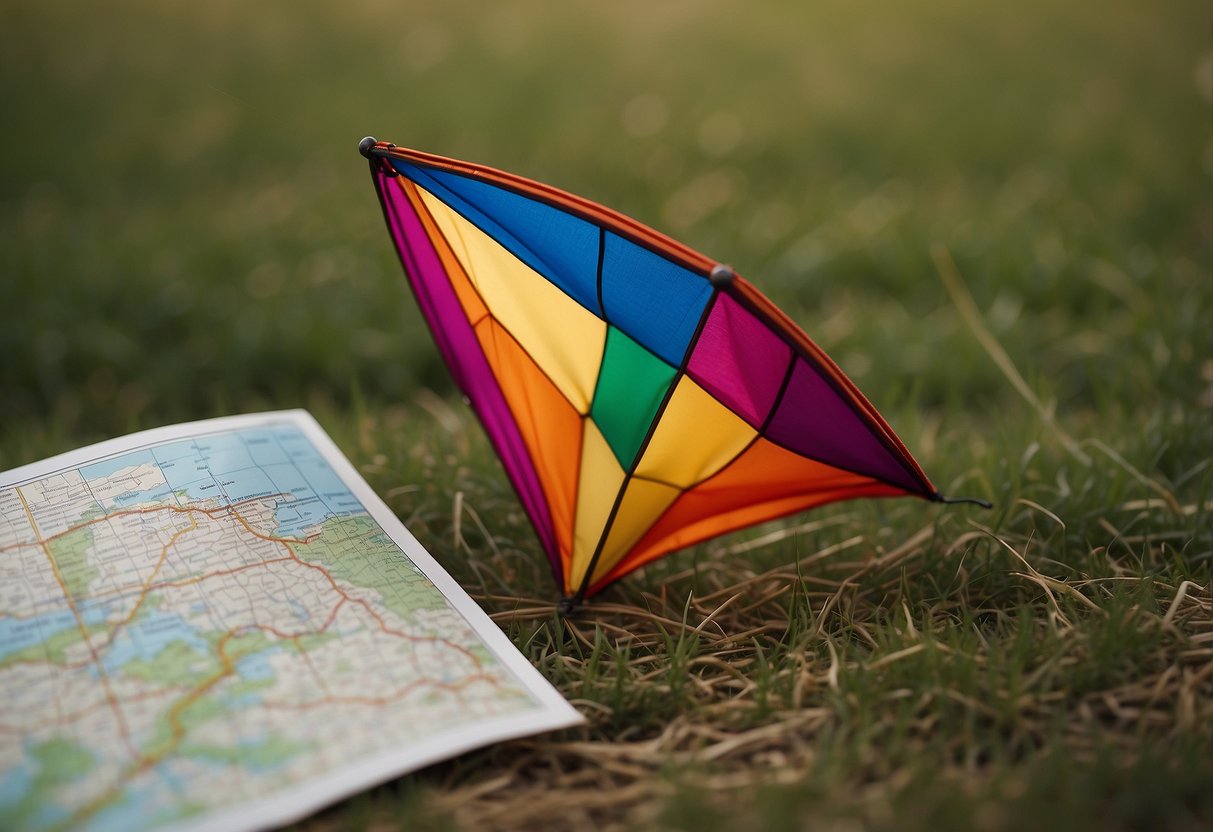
(641, 396)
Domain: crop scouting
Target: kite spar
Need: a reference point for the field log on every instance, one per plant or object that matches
(641, 396)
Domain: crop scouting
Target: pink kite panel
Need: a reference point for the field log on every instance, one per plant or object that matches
(740, 361)
(459, 346)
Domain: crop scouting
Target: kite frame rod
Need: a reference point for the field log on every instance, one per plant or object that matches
(723, 280)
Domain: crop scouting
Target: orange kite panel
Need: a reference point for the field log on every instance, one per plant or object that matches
(550, 426)
(469, 298)
(763, 483)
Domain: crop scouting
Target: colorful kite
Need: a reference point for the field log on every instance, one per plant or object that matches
(642, 397)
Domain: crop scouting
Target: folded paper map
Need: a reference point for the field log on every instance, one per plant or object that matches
(219, 625)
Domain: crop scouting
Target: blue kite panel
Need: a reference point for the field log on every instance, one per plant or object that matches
(561, 247)
(656, 302)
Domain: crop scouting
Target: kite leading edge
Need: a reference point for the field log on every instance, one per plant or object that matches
(641, 396)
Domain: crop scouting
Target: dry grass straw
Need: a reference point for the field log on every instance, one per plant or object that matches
(731, 737)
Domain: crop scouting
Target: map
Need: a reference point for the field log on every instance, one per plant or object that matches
(218, 625)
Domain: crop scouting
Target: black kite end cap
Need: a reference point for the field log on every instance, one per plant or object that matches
(721, 275)
(364, 146)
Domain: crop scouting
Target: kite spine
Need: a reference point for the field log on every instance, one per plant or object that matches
(669, 394)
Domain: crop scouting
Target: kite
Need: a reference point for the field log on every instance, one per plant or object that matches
(641, 396)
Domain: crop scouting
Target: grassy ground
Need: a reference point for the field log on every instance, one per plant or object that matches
(186, 230)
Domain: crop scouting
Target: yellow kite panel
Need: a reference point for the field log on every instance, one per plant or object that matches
(563, 337)
(598, 486)
(696, 437)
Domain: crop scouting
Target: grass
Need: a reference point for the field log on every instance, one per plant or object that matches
(186, 230)
(984, 671)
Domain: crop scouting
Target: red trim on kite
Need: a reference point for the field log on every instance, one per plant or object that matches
(580, 206)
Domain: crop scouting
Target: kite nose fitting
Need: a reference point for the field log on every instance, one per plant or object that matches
(721, 275)
(367, 147)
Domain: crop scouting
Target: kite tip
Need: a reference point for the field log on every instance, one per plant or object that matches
(721, 275)
(951, 501)
(567, 607)
(364, 146)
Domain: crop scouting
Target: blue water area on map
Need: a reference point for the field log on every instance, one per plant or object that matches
(147, 635)
(235, 466)
(306, 505)
(170, 778)
(180, 465)
(140, 808)
(246, 484)
(218, 468)
(18, 782)
(49, 817)
(109, 466)
(257, 666)
(264, 444)
(15, 783)
(147, 495)
(224, 452)
(18, 634)
(325, 496)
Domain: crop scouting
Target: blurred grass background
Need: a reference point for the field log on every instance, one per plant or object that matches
(187, 230)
